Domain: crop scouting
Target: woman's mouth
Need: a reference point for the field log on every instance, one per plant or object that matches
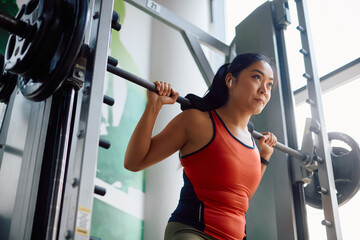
(260, 100)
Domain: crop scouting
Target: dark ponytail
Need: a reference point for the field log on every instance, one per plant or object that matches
(216, 96)
(218, 92)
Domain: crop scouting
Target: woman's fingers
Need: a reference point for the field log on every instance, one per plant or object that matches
(174, 95)
(166, 93)
(270, 139)
(163, 88)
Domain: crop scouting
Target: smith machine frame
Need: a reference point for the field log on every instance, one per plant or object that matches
(71, 149)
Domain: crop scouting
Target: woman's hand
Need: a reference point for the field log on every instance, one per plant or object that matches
(165, 94)
(143, 149)
(267, 143)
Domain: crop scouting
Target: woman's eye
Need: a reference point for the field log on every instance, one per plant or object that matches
(257, 77)
(270, 85)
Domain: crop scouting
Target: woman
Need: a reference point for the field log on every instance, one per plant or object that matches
(222, 165)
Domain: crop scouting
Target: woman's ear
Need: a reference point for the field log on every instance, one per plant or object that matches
(229, 80)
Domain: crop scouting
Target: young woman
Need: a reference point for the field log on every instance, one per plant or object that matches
(222, 165)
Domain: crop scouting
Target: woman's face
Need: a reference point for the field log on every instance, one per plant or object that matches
(252, 89)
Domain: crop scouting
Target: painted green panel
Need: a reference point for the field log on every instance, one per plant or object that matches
(117, 215)
(110, 223)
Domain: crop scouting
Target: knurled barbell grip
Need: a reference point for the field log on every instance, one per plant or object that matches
(13, 25)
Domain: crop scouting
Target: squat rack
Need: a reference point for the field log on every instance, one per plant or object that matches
(84, 106)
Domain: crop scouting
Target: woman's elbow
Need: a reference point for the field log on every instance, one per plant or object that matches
(131, 167)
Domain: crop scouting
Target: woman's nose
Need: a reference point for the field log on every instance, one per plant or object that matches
(263, 89)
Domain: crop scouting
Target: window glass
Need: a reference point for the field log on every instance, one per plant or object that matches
(334, 33)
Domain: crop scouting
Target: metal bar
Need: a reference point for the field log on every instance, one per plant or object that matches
(198, 54)
(152, 87)
(112, 61)
(141, 82)
(289, 106)
(108, 100)
(4, 127)
(13, 25)
(171, 19)
(336, 78)
(64, 123)
(325, 170)
(79, 191)
(296, 154)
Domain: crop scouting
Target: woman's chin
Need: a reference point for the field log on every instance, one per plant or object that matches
(257, 111)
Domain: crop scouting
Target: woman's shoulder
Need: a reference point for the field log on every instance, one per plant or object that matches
(194, 115)
(195, 120)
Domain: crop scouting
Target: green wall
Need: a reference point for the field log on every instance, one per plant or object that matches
(109, 222)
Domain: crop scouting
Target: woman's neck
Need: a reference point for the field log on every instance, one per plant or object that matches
(234, 117)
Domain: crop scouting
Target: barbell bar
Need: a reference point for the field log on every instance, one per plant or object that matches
(152, 87)
(14, 25)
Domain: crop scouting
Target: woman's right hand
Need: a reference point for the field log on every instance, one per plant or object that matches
(165, 94)
(145, 150)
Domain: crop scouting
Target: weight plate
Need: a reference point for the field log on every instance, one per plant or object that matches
(30, 56)
(346, 168)
(73, 22)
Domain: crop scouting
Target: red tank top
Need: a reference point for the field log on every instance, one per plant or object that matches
(223, 174)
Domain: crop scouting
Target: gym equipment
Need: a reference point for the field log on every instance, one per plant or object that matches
(346, 165)
(44, 47)
(45, 42)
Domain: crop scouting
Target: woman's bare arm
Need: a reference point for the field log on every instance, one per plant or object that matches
(144, 150)
(266, 143)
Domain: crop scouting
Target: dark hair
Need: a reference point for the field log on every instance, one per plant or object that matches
(218, 93)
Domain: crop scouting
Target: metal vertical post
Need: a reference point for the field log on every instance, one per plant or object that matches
(325, 170)
(79, 190)
(64, 115)
(282, 20)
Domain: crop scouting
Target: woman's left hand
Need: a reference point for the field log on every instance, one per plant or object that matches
(267, 143)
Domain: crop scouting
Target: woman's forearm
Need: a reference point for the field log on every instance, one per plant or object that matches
(140, 140)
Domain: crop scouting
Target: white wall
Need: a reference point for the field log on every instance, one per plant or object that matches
(171, 61)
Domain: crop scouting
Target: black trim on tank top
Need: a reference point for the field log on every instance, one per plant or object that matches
(214, 133)
(223, 123)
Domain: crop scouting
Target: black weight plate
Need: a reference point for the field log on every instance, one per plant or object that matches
(74, 22)
(312, 195)
(29, 56)
(346, 168)
(346, 165)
